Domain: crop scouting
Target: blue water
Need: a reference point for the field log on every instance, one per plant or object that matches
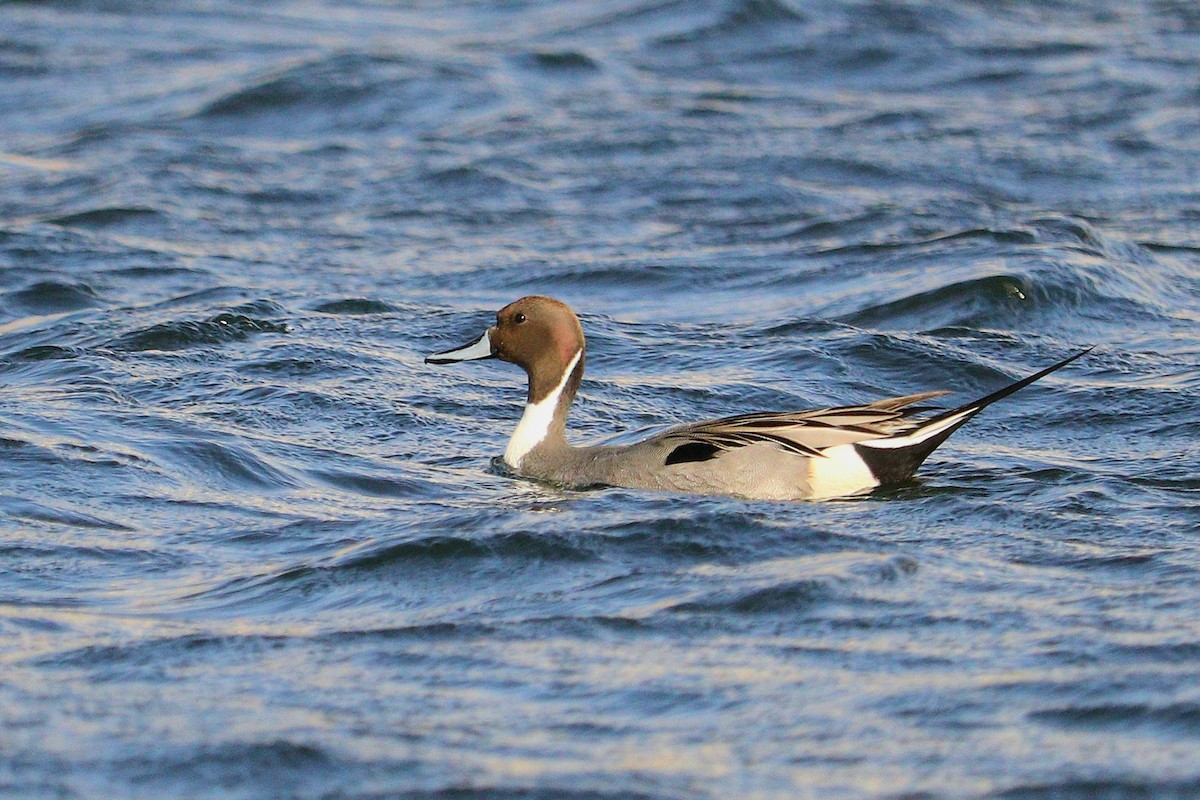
(252, 547)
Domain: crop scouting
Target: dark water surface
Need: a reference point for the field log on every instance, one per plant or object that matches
(251, 547)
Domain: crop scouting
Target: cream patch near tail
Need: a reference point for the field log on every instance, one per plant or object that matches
(839, 473)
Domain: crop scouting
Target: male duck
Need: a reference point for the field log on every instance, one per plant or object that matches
(790, 455)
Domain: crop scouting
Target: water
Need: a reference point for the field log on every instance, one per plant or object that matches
(250, 546)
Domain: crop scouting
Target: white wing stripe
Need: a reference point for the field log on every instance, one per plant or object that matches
(922, 433)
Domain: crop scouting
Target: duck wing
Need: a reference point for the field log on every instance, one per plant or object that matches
(890, 442)
(804, 433)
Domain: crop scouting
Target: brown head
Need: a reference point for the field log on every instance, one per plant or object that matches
(540, 334)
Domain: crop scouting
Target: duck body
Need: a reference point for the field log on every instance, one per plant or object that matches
(754, 471)
(802, 455)
(684, 459)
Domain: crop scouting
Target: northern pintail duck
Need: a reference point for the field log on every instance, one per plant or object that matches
(789, 455)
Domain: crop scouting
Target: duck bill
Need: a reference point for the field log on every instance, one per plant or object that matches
(482, 348)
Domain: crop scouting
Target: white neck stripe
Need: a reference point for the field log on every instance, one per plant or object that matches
(535, 422)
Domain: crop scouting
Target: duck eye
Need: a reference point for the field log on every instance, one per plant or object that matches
(519, 318)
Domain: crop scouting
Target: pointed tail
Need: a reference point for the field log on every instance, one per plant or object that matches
(896, 458)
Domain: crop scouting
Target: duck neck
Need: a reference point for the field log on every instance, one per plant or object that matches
(544, 422)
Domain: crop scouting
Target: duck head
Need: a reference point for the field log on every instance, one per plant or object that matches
(539, 334)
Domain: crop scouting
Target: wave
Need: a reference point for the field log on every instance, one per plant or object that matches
(182, 334)
(742, 17)
(355, 305)
(327, 82)
(368, 484)
(520, 544)
(18, 508)
(495, 791)
(970, 304)
(1084, 789)
(1065, 271)
(223, 464)
(558, 62)
(792, 584)
(42, 352)
(49, 297)
(364, 91)
(1178, 717)
(105, 217)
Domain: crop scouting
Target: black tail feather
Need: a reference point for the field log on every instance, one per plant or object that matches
(1000, 394)
(895, 464)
